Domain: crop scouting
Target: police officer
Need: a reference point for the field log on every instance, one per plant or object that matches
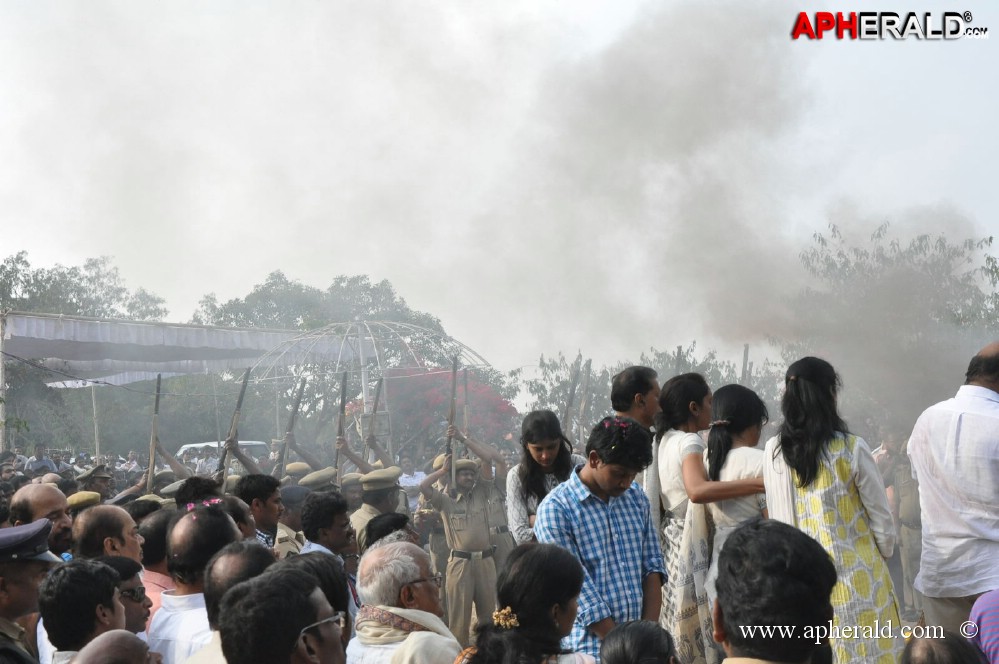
(290, 538)
(499, 531)
(380, 495)
(97, 479)
(350, 487)
(24, 561)
(471, 570)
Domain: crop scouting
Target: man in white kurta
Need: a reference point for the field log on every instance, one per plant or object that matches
(400, 618)
(954, 450)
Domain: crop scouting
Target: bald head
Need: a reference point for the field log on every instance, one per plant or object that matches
(44, 501)
(106, 530)
(118, 646)
(193, 540)
(991, 350)
(983, 371)
(235, 563)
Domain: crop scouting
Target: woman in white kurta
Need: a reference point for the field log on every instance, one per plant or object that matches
(546, 462)
(675, 482)
(737, 418)
(824, 481)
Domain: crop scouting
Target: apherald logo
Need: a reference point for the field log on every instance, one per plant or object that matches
(881, 25)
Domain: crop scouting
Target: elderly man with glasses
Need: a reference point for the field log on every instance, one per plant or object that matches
(400, 616)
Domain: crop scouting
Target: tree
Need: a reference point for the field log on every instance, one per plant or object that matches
(407, 364)
(93, 289)
(285, 304)
(58, 418)
(591, 397)
(420, 400)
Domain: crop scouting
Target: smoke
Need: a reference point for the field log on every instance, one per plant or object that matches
(899, 312)
(604, 179)
(639, 204)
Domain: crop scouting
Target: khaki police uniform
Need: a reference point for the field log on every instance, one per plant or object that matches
(359, 522)
(13, 647)
(499, 532)
(373, 481)
(471, 570)
(288, 542)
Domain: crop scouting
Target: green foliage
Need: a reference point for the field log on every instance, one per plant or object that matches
(197, 408)
(591, 402)
(281, 303)
(93, 289)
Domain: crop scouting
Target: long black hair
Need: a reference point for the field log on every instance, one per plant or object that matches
(735, 408)
(534, 579)
(675, 398)
(638, 641)
(542, 425)
(810, 416)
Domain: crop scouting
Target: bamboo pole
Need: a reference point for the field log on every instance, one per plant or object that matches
(153, 438)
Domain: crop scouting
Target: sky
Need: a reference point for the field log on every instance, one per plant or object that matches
(543, 176)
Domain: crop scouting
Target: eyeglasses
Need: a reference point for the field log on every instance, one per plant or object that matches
(435, 579)
(137, 594)
(339, 618)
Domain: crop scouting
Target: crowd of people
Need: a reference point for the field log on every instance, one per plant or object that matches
(677, 535)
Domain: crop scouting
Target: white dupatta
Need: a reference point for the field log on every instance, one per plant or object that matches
(778, 478)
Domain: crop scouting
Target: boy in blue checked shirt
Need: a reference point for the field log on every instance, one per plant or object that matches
(602, 517)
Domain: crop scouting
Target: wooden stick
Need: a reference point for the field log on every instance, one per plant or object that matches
(289, 429)
(451, 415)
(339, 425)
(153, 438)
(464, 376)
(374, 414)
(233, 426)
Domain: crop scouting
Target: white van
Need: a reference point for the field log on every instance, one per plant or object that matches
(254, 448)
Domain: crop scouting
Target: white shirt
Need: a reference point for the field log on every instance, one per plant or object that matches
(740, 463)
(673, 449)
(180, 627)
(210, 654)
(409, 482)
(954, 450)
(45, 648)
(312, 547)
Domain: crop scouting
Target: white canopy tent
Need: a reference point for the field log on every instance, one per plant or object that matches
(81, 350)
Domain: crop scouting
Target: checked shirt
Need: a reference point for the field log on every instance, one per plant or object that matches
(617, 546)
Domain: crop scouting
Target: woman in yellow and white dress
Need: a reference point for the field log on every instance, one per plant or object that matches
(824, 481)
